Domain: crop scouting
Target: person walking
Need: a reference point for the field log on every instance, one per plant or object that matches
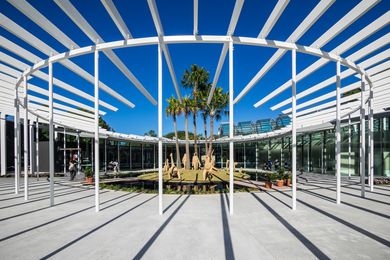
(72, 169)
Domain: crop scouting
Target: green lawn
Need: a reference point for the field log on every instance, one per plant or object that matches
(195, 176)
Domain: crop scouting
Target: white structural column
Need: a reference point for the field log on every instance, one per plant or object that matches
(3, 143)
(78, 154)
(64, 151)
(97, 202)
(37, 147)
(362, 139)
(231, 128)
(349, 145)
(17, 141)
(160, 178)
(31, 146)
(338, 135)
(51, 135)
(294, 128)
(25, 138)
(371, 138)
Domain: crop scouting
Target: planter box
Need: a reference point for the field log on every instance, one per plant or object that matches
(279, 183)
(89, 180)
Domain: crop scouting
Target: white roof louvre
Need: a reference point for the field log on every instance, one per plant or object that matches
(4, 79)
(232, 27)
(117, 18)
(273, 18)
(346, 45)
(346, 73)
(314, 15)
(80, 21)
(196, 10)
(54, 31)
(44, 48)
(39, 74)
(160, 33)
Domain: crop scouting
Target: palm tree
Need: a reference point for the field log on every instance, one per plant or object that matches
(194, 78)
(185, 108)
(217, 108)
(203, 107)
(173, 109)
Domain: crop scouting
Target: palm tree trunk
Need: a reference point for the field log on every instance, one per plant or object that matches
(178, 163)
(195, 134)
(187, 166)
(205, 132)
(211, 133)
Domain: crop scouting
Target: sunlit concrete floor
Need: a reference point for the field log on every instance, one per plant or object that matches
(196, 226)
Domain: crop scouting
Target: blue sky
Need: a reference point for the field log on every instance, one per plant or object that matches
(177, 19)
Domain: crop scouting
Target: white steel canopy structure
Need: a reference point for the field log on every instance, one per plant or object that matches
(19, 97)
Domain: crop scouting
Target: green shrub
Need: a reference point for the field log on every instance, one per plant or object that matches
(272, 176)
(88, 172)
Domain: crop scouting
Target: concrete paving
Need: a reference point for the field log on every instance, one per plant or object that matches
(196, 226)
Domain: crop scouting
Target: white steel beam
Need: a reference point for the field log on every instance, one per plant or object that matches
(232, 27)
(17, 30)
(117, 18)
(9, 82)
(80, 21)
(25, 139)
(17, 141)
(338, 134)
(34, 15)
(159, 116)
(346, 73)
(362, 139)
(160, 33)
(346, 45)
(12, 47)
(196, 10)
(294, 131)
(273, 18)
(314, 15)
(51, 136)
(231, 128)
(378, 80)
(97, 151)
(3, 143)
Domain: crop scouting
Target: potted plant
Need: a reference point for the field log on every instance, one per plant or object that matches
(88, 175)
(287, 179)
(271, 177)
(280, 178)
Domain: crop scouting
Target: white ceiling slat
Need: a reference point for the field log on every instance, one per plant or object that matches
(273, 18)
(80, 21)
(314, 15)
(165, 49)
(117, 18)
(10, 80)
(60, 106)
(196, 10)
(39, 74)
(353, 15)
(377, 81)
(32, 13)
(346, 45)
(46, 49)
(346, 73)
(232, 27)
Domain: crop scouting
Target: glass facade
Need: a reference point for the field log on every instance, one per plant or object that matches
(315, 151)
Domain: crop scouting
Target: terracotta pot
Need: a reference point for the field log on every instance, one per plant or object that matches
(89, 180)
(268, 184)
(279, 183)
(288, 182)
